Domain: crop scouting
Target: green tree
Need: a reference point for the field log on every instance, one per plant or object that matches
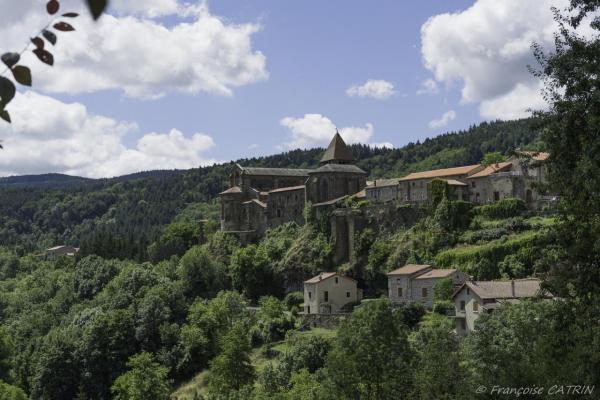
(232, 369)
(371, 355)
(444, 289)
(9, 392)
(437, 369)
(145, 380)
(253, 273)
(493, 158)
(200, 274)
(6, 347)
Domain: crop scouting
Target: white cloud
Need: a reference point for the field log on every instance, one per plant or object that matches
(376, 89)
(51, 136)
(443, 120)
(387, 145)
(486, 49)
(317, 130)
(428, 86)
(142, 57)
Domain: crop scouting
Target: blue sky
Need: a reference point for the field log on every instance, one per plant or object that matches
(279, 79)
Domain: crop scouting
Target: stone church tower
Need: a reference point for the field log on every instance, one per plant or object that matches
(336, 176)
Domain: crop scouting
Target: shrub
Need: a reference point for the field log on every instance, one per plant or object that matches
(293, 299)
(505, 208)
(442, 307)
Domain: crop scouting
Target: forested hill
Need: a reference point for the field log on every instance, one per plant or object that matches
(121, 217)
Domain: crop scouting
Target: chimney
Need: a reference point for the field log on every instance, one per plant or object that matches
(512, 288)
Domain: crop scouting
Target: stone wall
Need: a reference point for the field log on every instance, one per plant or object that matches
(327, 321)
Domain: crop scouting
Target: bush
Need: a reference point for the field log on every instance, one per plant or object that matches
(505, 208)
(442, 307)
(484, 235)
(294, 299)
(412, 314)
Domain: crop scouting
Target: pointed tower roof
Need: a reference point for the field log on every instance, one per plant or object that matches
(337, 151)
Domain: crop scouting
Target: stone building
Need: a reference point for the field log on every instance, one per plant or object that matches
(383, 190)
(262, 198)
(474, 298)
(415, 187)
(330, 293)
(53, 253)
(414, 283)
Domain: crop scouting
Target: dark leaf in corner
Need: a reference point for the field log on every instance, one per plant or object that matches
(44, 56)
(7, 91)
(71, 15)
(63, 26)
(5, 116)
(50, 36)
(22, 75)
(38, 42)
(52, 7)
(10, 59)
(97, 7)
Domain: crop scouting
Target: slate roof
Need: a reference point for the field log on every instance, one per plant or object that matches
(409, 269)
(524, 288)
(348, 168)
(438, 173)
(337, 151)
(437, 273)
(492, 169)
(259, 171)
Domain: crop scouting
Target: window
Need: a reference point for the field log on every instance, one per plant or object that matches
(347, 294)
(462, 305)
(326, 296)
(468, 291)
(496, 196)
(399, 292)
(308, 309)
(424, 292)
(310, 295)
(463, 324)
(475, 306)
(336, 280)
(398, 280)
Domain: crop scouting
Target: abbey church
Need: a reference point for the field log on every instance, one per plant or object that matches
(262, 198)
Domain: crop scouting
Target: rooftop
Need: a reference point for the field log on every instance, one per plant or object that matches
(231, 190)
(439, 173)
(260, 171)
(383, 183)
(436, 273)
(348, 168)
(536, 155)
(337, 151)
(325, 275)
(492, 169)
(287, 189)
(523, 288)
(409, 269)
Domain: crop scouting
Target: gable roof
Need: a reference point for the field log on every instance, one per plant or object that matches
(492, 169)
(337, 150)
(437, 273)
(383, 183)
(438, 173)
(486, 290)
(260, 171)
(409, 269)
(232, 190)
(325, 275)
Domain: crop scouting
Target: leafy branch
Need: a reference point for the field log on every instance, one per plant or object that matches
(22, 74)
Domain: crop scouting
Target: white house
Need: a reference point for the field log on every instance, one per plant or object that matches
(474, 298)
(54, 252)
(329, 292)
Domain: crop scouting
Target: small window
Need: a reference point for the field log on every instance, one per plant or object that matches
(336, 280)
(468, 291)
(475, 306)
(326, 296)
(473, 184)
(308, 309)
(462, 305)
(347, 294)
(463, 324)
(310, 295)
(496, 196)
(399, 292)
(424, 292)
(398, 280)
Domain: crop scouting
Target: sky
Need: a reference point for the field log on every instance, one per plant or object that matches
(164, 84)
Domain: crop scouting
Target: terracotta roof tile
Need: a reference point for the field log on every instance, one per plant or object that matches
(439, 173)
(524, 288)
(436, 273)
(409, 269)
(232, 190)
(492, 169)
(325, 275)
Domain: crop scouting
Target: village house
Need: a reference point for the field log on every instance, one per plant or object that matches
(414, 283)
(474, 298)
(330, 293)
(414, 188)
(383, 190)
(53, 253)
